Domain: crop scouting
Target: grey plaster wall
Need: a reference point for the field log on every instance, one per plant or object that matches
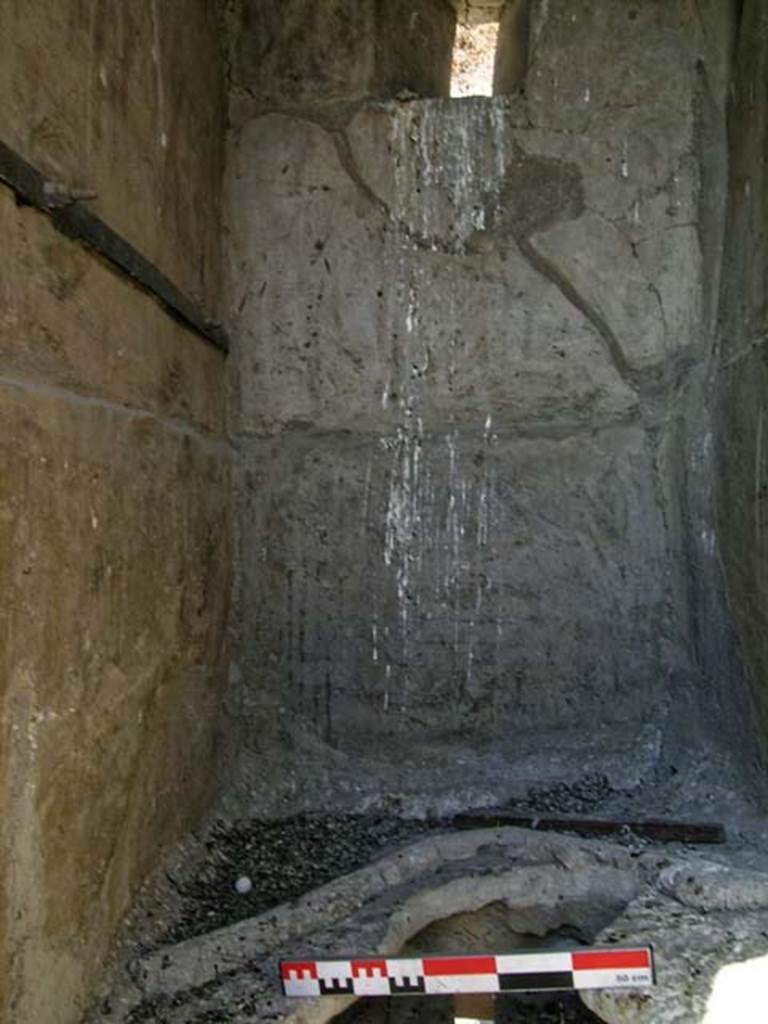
(473, 343)
(295, 52)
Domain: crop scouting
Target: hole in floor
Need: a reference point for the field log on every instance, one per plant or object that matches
(545, 1009)
(494, 927)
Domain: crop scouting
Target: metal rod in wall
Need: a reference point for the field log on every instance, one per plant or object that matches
(72, 219)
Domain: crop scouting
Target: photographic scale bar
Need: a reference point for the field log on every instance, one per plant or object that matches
(571, 970)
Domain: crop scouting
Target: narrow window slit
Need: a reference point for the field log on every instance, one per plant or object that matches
(490, 51)
(474, 51)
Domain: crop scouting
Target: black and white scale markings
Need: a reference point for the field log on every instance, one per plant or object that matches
(611, 967)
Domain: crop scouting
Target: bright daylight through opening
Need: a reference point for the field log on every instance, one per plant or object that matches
(474, 52)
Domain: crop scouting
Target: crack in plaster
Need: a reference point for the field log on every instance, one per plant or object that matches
(532, 429)
(657, 295)
(420, 241)
(745, 353)
(59, 394)
(547, 269)
(351, 169)
(651, 380)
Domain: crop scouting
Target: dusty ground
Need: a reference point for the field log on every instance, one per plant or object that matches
(565, 1010)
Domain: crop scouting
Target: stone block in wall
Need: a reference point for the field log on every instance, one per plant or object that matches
(587, 57)
(422, 597)
(511, 58)
(414, 48)
(439, 301)
(290, 53)
(444, 258)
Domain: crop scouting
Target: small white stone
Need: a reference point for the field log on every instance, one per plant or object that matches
(243, 885)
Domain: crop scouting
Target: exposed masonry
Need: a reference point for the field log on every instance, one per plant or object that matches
(650, 383)
(521, 235)
(470, 338)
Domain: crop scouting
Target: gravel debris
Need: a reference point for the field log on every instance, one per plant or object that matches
(282, 859)
(579, 797)
(285, 858)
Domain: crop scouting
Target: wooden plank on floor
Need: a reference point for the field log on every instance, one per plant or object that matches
(658, 830)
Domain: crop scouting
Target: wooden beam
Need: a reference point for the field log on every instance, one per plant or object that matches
(658, 830)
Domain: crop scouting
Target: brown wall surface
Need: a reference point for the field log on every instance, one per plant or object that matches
(126, 98)
(114, 541)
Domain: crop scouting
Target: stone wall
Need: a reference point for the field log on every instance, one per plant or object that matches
(743, 372)
(467, 396)
(287, 53)
(113, 483)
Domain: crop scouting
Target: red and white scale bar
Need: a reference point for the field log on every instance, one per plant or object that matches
(611, 967)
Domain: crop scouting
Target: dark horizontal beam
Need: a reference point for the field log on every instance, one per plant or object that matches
(75, 221)
(660, 831)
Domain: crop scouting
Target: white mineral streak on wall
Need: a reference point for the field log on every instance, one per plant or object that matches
(625, 160)
(486, 487)
(387, 677)
(499, 139)
(375, 640)
(366, 498)
(758, 476)
(402, 541)
(449, 163)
